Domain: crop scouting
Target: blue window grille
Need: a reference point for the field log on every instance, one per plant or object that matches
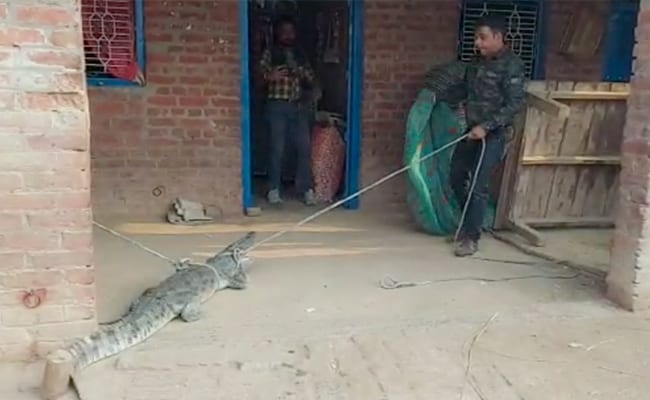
(618, 54)
(113, 34)
(525, 33)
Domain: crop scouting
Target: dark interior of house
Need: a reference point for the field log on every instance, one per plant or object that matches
(322, 34)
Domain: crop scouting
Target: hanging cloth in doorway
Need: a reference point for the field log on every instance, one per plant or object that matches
(331, 54)
(327, 160)
(429, 196)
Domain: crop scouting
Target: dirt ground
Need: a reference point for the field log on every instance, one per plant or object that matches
(314, 324)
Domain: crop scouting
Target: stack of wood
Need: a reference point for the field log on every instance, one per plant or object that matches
(186, 212)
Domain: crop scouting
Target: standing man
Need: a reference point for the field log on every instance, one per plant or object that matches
(286, 70)
(495, 95)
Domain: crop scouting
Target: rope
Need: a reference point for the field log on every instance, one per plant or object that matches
(389, 283)
(370, 187)
(471, 189)
(136, 243)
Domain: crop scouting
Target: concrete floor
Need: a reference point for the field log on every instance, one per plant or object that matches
(315, 325)
(587, 248)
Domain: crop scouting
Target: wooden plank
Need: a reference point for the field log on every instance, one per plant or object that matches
(551, 107)
(545, 177)
(536, 123)
(536, 86)
(507, 191)
(588, 95)
(591, 189)
(562, 193)
(613, 195)
(607, 136)
(534, 191)
(570, 222)
(568, 174)
(571, 160)
(524, 230)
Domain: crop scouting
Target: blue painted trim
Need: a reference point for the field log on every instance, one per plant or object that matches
(539, 68)
(355, 101)
(618, 54)
(245, 101)
(140, 52)
(140, 48)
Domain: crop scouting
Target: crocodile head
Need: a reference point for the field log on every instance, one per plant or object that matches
(228, 263)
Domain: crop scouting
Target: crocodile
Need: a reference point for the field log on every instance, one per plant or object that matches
(179, 295)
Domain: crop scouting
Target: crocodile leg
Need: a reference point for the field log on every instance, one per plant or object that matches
(192, 312)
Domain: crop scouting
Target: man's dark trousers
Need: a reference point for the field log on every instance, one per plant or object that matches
(463, 165)
(289, 121)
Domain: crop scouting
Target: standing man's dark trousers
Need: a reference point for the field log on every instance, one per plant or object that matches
(288, 121)
(463, 165)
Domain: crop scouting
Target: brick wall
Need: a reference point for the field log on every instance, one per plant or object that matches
(181, 131)
(45, 232)
(401, 42)
(628, 282)
(559, 67)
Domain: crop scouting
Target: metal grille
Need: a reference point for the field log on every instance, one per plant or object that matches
(521, 23)
(109, 37)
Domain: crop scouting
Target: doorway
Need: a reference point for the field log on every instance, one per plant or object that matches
(330, 34)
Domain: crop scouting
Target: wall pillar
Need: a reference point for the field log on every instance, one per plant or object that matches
(47, 292)
(628, 281)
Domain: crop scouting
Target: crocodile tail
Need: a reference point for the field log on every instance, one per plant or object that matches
(114, 338)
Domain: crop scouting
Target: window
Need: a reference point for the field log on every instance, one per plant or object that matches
(522, 22)
(113, 35)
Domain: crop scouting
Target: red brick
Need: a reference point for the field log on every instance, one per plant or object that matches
(80, 276)
(11, 298)
(64, 258)
(32, 279)
(45, 16)
(10, 261)
(78, 312)
(55, 58)
(7, 98)
(20, 36)
(27, 241)
(67, 82)
(10, 182)
(63, 331)
(53, 101)
(26, 121)
(27, 201)
(11, 221)
(162, 101)
(21, 316)
(75, 141)
(69, 180)
(66, 38)
(77, 240)
(193, 101)
(68, 294)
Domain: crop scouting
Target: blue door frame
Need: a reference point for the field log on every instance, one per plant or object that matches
(354, 92)
(618, 54)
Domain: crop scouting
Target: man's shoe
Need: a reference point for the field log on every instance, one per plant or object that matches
(466, 247)
(273, 196)
(310, 198)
